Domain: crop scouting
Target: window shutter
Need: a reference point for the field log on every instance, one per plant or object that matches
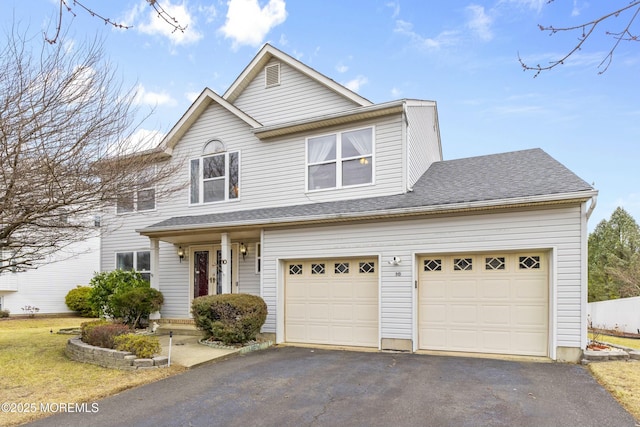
(272, 75)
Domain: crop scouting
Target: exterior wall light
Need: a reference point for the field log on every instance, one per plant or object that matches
(243, 250)
(180, 253)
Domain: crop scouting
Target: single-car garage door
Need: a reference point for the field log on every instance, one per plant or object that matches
(332, 302)
(487, 303)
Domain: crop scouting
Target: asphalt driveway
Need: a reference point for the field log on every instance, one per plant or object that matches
(287, 386)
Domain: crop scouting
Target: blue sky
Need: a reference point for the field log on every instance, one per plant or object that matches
(462, 54)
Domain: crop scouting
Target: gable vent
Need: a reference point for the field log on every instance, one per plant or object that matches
(272, 75)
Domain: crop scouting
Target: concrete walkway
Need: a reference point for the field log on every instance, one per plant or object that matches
(188, 352)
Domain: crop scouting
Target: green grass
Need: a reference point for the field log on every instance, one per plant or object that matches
(35, 370)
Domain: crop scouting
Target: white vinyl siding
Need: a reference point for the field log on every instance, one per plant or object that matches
(422, 140)
(555, 229)
(283, 162)
(295, 97)
(47, 286)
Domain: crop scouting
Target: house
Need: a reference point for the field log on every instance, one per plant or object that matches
(342, 215)
(46, 286)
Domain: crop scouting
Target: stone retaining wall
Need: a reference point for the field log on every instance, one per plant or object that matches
(81, 352)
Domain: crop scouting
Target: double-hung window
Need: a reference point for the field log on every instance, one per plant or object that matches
(144, 199)
(214, 178)
(340, 159)
(139, 261)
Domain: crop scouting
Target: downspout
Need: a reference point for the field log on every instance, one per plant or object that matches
(592, 206)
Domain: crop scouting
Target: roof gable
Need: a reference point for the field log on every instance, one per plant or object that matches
(195, 111)
(265, 55)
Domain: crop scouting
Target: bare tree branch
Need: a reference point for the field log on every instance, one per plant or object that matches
(586, 30)
(65, 148)
(68, 5)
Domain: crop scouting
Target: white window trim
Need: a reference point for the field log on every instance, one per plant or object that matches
(226, 179)
(339, 159)
(258, 252)
(135, 260)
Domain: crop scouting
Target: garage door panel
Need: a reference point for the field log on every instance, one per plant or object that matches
(332, 302)
(496, 341)
(317, 311)
(526, 315)
(500, 305)
(433, 313)
(495, 288)
(496, 315)
(463, 339)
(529, 288)
(463, 314)
(462, 289)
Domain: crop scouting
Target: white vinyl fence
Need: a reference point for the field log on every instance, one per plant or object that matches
(622, 314)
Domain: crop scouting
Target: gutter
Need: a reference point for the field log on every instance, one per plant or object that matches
(398, 212)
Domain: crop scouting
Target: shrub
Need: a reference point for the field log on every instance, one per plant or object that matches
(4, 313)
(143, 346)
(30, 310)
(136, 304)
(103, 335)
(87, 327)
(114, 294)
(77, 299)
(230, 318)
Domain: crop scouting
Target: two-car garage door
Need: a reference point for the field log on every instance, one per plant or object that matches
(332, 301)
(487, 303)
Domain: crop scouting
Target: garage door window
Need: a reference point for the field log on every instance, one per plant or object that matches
(341, 268)
(463, 264)
(494, 263)
(295, 269)
(317, 268)
(529, 263)
(432, 265)
(367, 267)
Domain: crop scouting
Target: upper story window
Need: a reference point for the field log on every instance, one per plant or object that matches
(340, 159)
(142, 200)
(214, 177)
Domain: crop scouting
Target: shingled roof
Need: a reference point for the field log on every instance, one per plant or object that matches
(512, 178)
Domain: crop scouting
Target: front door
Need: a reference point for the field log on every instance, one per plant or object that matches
(201, 273)
(207, 270)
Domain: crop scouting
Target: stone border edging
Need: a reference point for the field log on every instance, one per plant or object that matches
(108, 358)
(245, 349)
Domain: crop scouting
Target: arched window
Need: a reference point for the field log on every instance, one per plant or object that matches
(214, 175)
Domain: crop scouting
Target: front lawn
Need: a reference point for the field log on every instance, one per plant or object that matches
(34, 371)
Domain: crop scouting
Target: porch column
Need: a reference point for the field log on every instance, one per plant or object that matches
(154, 249)
(225, 247)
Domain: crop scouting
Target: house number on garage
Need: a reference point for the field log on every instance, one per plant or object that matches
(398, 273)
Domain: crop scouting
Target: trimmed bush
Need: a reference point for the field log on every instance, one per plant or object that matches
(230, 318)
(133, 305)
(104, 335)
(4, 313)
(77, 299)
(87, 327)
(115, 294)
(143, 346)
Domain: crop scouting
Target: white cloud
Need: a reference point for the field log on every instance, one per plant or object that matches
(153, 99)
(445, 38)
(145, 19)
(210, 13)
(341, 68)
(355, 84)
(530, 4)
(395, 92)
(248, 24)
(479, 22)
(191, 96)
(395, 5)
